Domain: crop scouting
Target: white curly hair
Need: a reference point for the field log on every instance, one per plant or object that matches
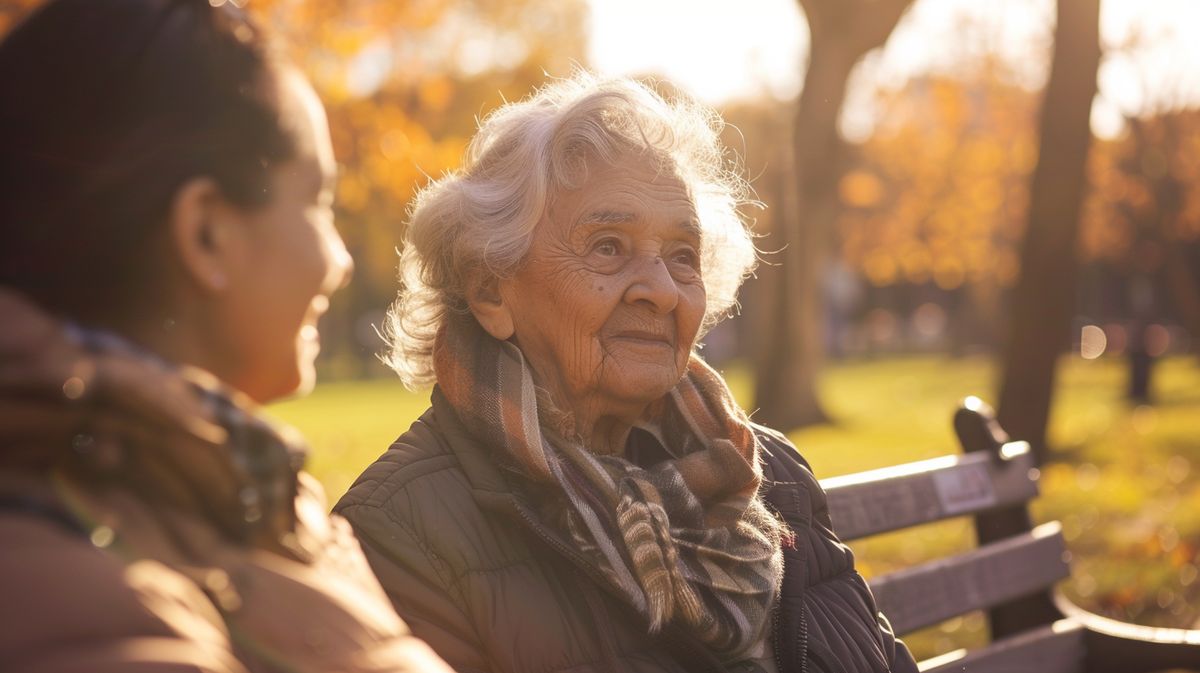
(482, 217)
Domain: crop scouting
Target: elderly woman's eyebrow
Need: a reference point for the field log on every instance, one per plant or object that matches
(606, 217)
(603, 217)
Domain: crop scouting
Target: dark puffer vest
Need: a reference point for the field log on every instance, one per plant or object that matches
(457, 548)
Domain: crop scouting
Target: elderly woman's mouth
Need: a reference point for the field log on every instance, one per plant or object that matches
(642, 338)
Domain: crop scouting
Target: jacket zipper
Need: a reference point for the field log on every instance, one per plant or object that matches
(802, 645)
(802, 633)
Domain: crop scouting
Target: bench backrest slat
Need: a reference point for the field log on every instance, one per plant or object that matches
(981, 578)
(897, 497)
(1055, 648)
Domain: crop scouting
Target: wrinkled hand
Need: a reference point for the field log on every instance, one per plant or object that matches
(110, 412)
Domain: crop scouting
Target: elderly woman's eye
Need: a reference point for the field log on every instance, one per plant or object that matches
(607, 247)
(686, 257)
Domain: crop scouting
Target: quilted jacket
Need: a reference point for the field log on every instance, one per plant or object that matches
(452, 537)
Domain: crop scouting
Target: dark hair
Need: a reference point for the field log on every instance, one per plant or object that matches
(107, 107)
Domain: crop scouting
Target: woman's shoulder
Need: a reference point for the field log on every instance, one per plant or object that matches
(419, 471)
(438, 494)
(68, 596)
(418, 455)
(781, 459)
(789, 484)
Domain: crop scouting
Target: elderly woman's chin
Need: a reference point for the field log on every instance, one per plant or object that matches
(639, 373)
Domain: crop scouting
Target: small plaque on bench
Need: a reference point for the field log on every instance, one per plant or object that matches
(967, 488)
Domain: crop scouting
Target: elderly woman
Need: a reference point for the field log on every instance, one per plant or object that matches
(584, 493)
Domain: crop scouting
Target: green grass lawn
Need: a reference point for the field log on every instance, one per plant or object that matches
(1124, 481)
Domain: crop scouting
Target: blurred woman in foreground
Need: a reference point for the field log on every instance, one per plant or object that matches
(166, 188)
(584, 493)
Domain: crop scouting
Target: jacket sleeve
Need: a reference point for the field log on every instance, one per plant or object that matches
(902, 658)
(421, 585)
(824, 559)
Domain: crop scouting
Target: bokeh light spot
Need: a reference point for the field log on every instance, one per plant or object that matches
(74, 388)
(1144, 419)
(1092, 342)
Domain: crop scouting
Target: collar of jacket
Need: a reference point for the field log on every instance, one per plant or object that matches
(495, 493)
(488, 485)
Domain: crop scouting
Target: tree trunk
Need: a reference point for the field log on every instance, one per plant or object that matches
(1184, 287)
(842, 31)
(1044, 298)
(785, 385)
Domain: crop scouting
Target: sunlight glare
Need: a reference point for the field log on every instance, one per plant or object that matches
(721, 53)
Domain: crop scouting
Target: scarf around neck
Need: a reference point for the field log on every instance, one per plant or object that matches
(261, 455)
(687, 540)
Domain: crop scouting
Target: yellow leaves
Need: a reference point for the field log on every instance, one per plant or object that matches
(1145, 184)
(350, 41)
(399, 111)
(353, 192)
(436, 93)
(1023, 154)
(881, 270)
(860, 189)
(939, 193)
(915, 262)
(949, 272)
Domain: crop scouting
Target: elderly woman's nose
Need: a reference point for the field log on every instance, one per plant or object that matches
(653, 285)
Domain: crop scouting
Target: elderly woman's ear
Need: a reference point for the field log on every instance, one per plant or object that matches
(489, 306)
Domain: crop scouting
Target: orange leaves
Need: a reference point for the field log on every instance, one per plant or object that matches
(1144, 186)
(436, 93)
(860, 189)
(400, 107)
(939, 192)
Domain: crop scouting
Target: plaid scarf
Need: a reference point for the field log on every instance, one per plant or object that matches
(687, 540)
(263, 458)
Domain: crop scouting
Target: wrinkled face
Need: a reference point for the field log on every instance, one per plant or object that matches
(609, 302)
(295, 260)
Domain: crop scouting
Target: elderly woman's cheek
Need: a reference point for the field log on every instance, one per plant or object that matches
(690, 311)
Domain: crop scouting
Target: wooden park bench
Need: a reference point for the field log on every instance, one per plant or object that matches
(1012, 572)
